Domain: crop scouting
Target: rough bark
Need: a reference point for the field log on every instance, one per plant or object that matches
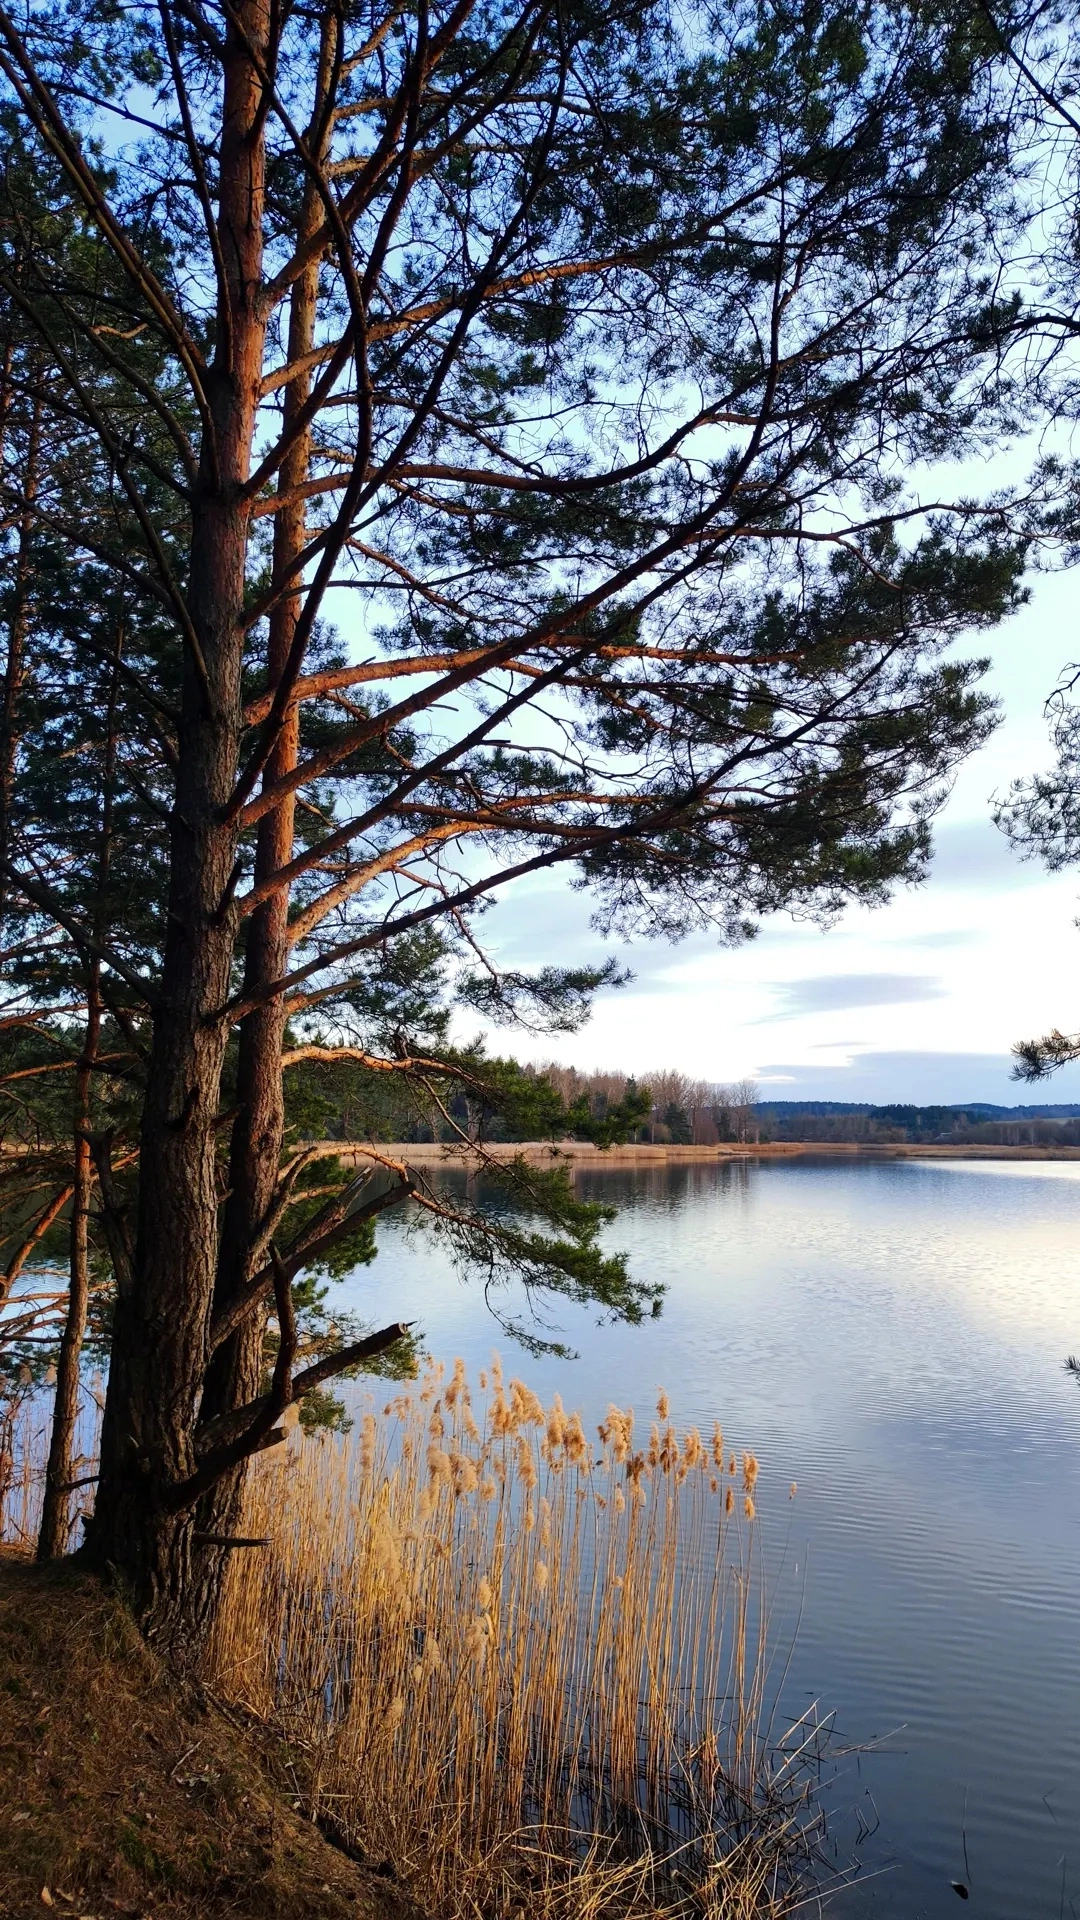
(160, 1340)
(235, 1372)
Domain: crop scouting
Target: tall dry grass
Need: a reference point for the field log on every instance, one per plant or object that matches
(524, 1668)
(25, 1430)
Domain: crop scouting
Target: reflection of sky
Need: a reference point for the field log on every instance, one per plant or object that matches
(920, 1000)
(891, 1337)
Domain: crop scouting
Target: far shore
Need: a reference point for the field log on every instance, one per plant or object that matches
(583, 1153)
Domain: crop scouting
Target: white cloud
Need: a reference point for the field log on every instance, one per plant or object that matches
(998, 933)
(833, 992)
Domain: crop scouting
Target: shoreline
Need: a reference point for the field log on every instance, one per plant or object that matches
(581, 1152)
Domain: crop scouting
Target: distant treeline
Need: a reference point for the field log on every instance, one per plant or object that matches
(978, 1123)
(344, 1100)
(351, 1103)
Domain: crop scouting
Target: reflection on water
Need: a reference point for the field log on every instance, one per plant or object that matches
(889, 1335)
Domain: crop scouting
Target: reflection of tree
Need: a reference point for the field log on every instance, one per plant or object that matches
(1072, 1365)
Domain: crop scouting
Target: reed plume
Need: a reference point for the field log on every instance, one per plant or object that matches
(525, 1668)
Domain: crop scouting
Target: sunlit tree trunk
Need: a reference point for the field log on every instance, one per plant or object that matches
(55, 1531)
(235, 1372)
(160, 1341)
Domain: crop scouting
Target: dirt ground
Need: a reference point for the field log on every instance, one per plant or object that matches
(122, 1793)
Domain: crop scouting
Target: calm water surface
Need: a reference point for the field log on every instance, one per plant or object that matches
(890, 1336)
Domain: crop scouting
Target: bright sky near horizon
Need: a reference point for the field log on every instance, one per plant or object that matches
(919, 1000)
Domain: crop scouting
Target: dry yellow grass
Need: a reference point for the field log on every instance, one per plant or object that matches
(25, 1427)
(523, 1667)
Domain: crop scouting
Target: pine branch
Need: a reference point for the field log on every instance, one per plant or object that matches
(231, 1428)
(346, 1211)
(1038, 1059)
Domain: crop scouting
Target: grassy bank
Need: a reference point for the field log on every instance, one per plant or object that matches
(579, 1153)
(123, 1795)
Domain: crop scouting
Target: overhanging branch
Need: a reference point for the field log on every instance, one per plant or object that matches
(391, 1183)
(218, 1432)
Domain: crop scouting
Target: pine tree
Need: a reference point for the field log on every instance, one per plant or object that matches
(586, 348)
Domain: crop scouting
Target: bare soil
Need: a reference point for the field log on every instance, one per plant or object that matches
(123, 1792)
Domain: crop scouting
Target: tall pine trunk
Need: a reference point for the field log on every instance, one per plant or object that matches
(141, 1531)
(235, 1373)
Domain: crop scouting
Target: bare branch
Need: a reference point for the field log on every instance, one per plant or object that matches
(226, 1426)
(37, 1233)
(340, 1216)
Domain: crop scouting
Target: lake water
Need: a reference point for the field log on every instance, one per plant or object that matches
(889, 1335)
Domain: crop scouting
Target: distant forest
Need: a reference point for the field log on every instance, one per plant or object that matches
(977, 1123)
(347, 1101)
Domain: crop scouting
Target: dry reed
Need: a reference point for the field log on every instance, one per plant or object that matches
(25, 1430)
(525, 1669)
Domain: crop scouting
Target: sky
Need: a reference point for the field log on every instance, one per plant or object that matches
(919, 1000)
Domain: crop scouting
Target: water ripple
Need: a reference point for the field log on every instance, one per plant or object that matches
(891, 1336)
